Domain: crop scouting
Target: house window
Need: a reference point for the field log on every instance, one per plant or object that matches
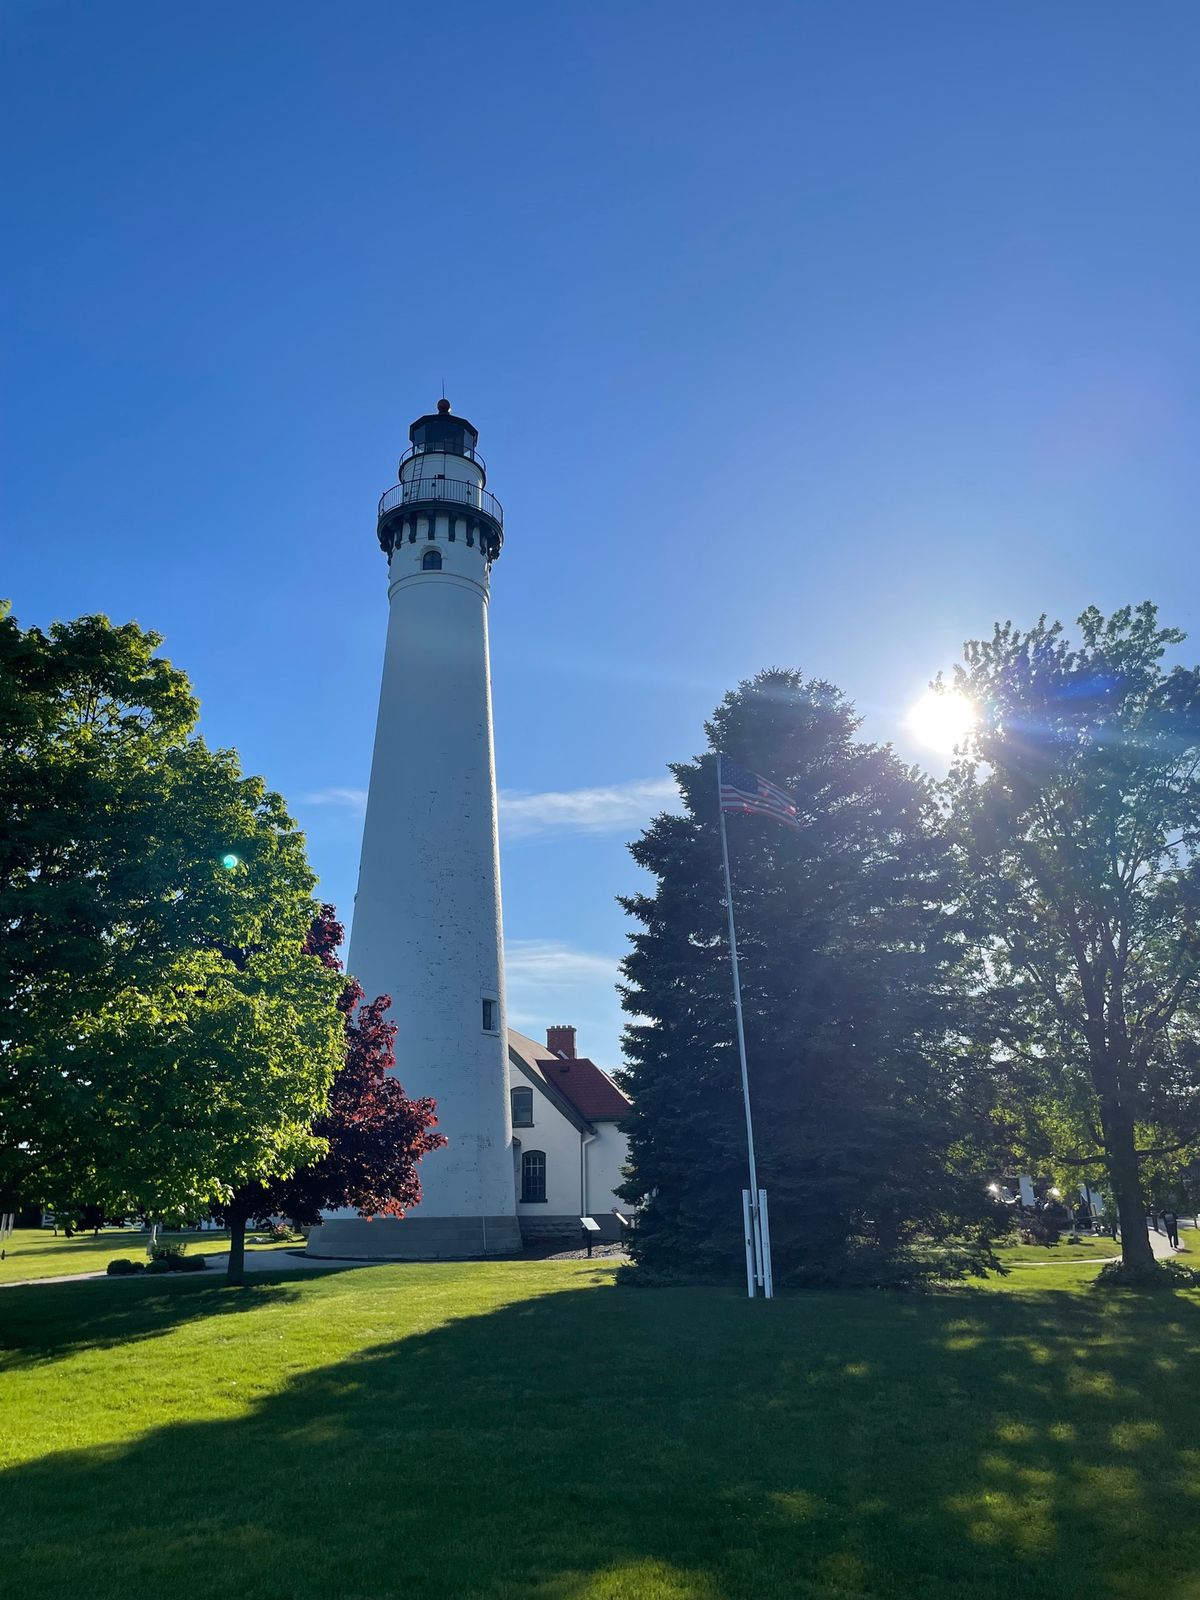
(491, 1015)
(533, 1176)
(431, 561)
(522, 1108)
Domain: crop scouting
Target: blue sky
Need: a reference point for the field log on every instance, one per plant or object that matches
(809, 334)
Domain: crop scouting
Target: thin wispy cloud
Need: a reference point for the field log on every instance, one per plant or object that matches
(549, 981)
(532, 814)
(615, 808)
(354, 800)
(547, 964)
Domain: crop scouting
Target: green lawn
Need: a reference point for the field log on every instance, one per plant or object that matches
(1089, 1249)
(526, 1429)
(38, 1253)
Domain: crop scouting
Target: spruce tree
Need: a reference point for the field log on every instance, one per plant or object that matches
(871, 1121)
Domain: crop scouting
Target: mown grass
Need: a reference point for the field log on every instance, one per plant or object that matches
(1090, 1246)
(526, 1429)
(39, 1253)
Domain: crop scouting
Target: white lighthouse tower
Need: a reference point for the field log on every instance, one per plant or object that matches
(426, 924)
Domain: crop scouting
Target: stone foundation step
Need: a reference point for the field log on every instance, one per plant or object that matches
(415, 1238)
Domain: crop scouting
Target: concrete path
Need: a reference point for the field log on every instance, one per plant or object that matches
(289, 1260)
(65, 1277)
(1163, 1250)
(1063, 1261)
(257, 1261)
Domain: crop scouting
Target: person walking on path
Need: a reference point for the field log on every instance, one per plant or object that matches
(1171, 1228)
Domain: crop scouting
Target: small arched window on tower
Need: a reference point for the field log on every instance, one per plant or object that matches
(533, 1177)
(431, 561)
(522, 1108)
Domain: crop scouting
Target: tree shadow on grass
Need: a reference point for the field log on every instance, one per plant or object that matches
(655, 1445)
(42, 1322)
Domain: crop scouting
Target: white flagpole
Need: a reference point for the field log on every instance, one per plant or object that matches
(762, 1277)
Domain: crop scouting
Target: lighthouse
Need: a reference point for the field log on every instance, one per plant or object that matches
(427, 927)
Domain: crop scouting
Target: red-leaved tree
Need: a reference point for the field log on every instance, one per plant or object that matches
(376, 1134)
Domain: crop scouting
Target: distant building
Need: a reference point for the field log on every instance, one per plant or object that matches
(568, 1151)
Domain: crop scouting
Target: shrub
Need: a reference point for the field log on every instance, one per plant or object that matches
(167, 1252)
(122, 1267)
(637, 1275)
(169, 1258)
(920, 1264)
(1162, 1275)
(916, 1265)
(1041, 1227)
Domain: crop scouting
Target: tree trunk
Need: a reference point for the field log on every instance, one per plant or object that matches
(236, 1271)
(887, 1232)
(1126, 1181)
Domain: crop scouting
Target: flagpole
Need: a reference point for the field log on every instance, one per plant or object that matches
(760, 1244)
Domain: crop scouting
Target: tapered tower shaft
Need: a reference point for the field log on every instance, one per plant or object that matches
(427, 915)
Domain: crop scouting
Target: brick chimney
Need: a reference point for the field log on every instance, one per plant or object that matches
(561, 1041)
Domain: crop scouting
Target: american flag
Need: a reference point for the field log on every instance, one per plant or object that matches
(746, 791)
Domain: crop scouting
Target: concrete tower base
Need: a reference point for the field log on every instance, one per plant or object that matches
(415, 1238)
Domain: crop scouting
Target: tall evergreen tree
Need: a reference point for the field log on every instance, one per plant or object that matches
(870, 1118)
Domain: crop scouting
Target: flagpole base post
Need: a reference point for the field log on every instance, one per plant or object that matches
(764, 1234)
(748, 1230)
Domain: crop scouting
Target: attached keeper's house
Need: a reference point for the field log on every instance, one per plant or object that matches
(568, 1150)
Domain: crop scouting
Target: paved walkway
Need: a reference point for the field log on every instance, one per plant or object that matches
(257, 1261)
(289, 1260)
(1163, 1250)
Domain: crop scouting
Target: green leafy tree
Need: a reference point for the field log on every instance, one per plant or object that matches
(871, 1125)
(163, 1035)
(1076, 804)
(374, 1135)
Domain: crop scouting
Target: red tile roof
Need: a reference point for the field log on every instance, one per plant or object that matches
(588, 1087)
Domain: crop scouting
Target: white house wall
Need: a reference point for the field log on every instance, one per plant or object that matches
(606, 1156)
(559, 1140)
(575, 1187)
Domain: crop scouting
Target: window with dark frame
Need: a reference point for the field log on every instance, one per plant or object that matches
(431, 561)
(490, 1023)
(522, 1108)
(533, 1176)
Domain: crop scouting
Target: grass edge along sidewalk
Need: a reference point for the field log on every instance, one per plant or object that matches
(38, 1253)
(505, 1429)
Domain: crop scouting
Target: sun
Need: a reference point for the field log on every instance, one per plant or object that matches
(942, 719)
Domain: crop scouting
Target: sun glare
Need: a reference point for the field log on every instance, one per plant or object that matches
(942, 720)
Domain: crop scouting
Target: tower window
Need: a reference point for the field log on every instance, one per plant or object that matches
(522, 1108)
(533, 1177)
(491, 1015)
(431, 561)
